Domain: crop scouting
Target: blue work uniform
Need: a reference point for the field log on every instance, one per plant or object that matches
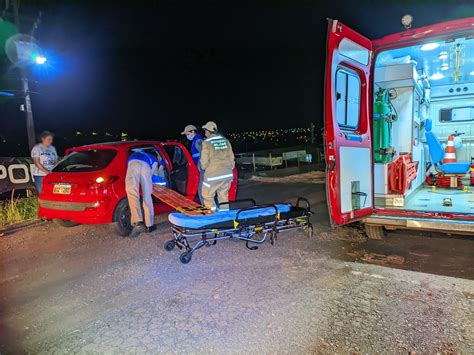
(144, 157)
(196, 147)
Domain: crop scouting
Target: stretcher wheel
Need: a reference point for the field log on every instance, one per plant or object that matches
(185, 257)
(169, 245)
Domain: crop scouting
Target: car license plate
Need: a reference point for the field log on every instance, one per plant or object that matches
(62, 189)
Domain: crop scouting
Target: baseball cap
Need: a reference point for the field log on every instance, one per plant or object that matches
(189, 128)
(210, 126)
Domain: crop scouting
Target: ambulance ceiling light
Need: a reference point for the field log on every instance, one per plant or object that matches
(443, 55)
(436, 76)
(445, 66)
(407, 21)
(429, 46)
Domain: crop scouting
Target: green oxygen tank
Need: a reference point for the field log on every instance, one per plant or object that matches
(384, 115)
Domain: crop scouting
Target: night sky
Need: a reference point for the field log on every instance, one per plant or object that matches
(149, 68)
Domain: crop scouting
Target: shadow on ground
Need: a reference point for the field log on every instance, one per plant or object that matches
(428, 252)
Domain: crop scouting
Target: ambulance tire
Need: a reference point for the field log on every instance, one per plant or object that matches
(123, 224)
(65, 223)
(374, 232)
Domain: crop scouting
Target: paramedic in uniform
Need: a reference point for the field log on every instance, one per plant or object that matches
(217, 161)
(142, 171)
(191, 133)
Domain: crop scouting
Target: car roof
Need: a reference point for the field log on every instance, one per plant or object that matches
(119, 145)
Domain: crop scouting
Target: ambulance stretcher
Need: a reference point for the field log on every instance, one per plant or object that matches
(250, 222)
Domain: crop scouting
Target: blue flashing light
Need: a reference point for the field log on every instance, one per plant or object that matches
(47, 66)
(5, 93)
(40, 60)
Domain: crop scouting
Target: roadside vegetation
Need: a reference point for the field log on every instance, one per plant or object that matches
(17, 210)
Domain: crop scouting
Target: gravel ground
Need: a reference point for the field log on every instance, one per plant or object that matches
(86, 290)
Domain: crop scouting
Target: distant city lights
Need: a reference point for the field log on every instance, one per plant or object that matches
(276, 135)
(300, 134)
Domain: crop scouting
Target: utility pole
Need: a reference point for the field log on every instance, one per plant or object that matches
(30, 126)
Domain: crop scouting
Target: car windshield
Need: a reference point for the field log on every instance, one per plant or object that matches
(86, 160)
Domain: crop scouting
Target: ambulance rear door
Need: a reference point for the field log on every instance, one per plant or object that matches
(348, 106)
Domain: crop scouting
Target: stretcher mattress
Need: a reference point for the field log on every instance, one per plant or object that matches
(225, 219)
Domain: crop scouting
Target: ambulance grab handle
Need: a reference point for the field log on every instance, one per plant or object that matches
(331, 163)
(353, 137)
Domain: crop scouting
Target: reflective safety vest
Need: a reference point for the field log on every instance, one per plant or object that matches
(195, 152)
(217, 159)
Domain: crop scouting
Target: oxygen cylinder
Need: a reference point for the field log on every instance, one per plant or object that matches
(384, 116)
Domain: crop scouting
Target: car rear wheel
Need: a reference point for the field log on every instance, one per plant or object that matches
(123, 224)
(65, 223)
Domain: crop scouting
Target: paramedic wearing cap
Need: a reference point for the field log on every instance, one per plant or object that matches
(217, 161)
(191, 133)
(141, 168)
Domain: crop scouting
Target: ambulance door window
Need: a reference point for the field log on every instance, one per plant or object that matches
(352, 50)
(348, 89)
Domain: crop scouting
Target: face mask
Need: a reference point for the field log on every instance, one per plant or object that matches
(190, 137)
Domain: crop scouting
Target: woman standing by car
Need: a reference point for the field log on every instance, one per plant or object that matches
(45, 158)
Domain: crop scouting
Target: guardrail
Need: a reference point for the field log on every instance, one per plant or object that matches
(270, 161)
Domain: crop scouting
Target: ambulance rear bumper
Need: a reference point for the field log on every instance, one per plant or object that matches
(427, 224)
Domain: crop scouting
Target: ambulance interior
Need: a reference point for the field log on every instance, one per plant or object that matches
(423, 127)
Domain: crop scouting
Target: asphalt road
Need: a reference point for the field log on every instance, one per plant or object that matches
(86, 289)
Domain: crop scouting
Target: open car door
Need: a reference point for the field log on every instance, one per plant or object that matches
(348, 143)
(184, 174)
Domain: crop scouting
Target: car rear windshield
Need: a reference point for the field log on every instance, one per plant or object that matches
(86, 160)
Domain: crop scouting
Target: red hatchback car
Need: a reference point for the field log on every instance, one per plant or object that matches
(88, 185)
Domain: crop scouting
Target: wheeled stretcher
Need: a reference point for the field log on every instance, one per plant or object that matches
(252, 223)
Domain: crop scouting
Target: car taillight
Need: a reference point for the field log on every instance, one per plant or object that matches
(101, 181)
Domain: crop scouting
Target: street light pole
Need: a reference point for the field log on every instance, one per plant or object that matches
(30, 127)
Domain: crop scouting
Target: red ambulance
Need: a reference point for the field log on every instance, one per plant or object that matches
(390, 107)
